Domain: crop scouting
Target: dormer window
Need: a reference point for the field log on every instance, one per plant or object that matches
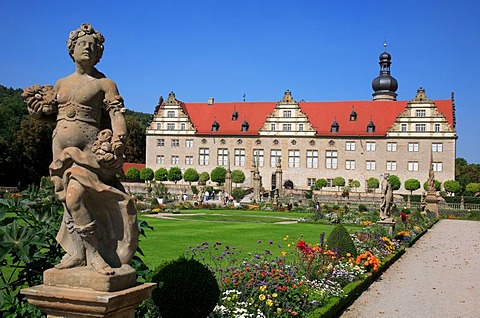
(335, 127)
(245, 125)
(215, 125)
(353, 115)
(370, 127)
(234, 114)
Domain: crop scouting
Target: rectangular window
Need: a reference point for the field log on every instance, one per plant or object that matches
(175, 160)
(413, 146)
(272, 127)
(370, 164)
(204, 156)
(170, 126)
(391, 165)
(420, 127)
(437, 147)
(391, 146)
(294, 158)
(222, 156)
(329, 183)
(182, 126)
(159, 126)
(310, 182)
(189, 160)
(413, 166)
(437, 166)
(287, 127)
(350, 146)
(370, 145)
(312, 159)
(331, 159)
(170, 114)
(275, 154)
(160, 159)
(300, 127)
(437, 127)
(189, 143)
(258, 154)
(350, 165)
(239, 157)
(287, 113)
(175, 143)
(403, 127)
(421, 113)
(160, 142)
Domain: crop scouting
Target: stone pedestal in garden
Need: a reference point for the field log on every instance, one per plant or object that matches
(389, 224)
(431, 201)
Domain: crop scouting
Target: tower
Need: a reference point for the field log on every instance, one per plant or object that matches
(385, 85)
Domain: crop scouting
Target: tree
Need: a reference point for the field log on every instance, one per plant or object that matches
(338, 182)
(204, 177)
(394, 182)
(436, 183)
(452, 186)
(412, 185)
(175, 174)
(466, 173)
(355, 184)
(373, 183)
(238, 194)
(146, 174)
(218, 175)
(472, 188)
(161, 174)
(191, 175)
(320, 183)
(238, 176)
(134, 141)
(133, 174)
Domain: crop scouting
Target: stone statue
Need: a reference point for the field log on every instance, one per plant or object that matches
(99, 227)
(387, 204)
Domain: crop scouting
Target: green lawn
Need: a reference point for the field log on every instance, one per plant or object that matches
(239, 229)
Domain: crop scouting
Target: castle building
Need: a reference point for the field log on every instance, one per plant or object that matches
(355, 140)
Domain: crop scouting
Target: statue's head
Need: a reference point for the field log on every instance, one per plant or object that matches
(83, 30)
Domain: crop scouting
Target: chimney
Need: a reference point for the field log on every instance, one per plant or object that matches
(211, 100)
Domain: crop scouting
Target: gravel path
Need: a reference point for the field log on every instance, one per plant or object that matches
(438, 277)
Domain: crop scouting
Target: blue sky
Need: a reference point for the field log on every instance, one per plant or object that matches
(320, 50)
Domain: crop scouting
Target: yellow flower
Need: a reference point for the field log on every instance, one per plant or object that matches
(284, 253)
(274, 295)
(285, 238)
(263, 288)
(288, 245)
(228, 298)
(269, 303)
(279, 311)
(261, 297)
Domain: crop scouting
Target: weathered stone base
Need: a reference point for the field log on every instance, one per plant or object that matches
(431, 201)
(68, 302)
(389, 223)
(86, 277)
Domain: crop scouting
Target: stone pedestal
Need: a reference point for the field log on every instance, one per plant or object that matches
(70, 302)
(389, 224)
(431, 202)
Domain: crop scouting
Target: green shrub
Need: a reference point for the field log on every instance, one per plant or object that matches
(340, 241)
(186, 288)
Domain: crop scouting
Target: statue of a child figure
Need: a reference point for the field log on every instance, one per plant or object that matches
(99, 226)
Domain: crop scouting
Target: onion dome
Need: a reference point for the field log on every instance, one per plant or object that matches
(385, 85)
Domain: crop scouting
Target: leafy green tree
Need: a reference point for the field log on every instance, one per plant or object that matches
(191, 175)
(238, 194)
(146, 174)
(452, 186)
(161, 174)
(133, 174)
(338, 182)
(355, 184)
(204, 177)
(218, 175)
(134, 141)
(411, 185)
(238, 176)
(320, 183)
(472, 188)
(175, 174)
(466, 173)
(373, 183)
(394, 182)
(436, 183)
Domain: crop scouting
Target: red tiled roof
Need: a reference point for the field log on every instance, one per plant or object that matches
(320, 115)
(128, 165)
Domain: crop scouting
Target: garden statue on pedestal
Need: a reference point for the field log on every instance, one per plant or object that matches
(99, 228)
(387, 204)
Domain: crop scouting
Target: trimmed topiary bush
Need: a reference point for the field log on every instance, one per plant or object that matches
(340, 241)
(186, 289)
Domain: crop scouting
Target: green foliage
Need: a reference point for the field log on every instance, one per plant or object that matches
(412, 185)
(373, 183)
(134, 140)
(466, 173)
(146, 174)
(191, 175)
(452, 186)
(394, 181)
(194, 189)
(161, 174)
(362, 208)
(186, 289)
(355, 184)
(472, 188)
(338, 182)
(175, 174)
(238, 194)
(436, 183)
(218, 175)
(133, 174)
(320, 183)
(204, 177)
(340, 241)
(238, 176)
